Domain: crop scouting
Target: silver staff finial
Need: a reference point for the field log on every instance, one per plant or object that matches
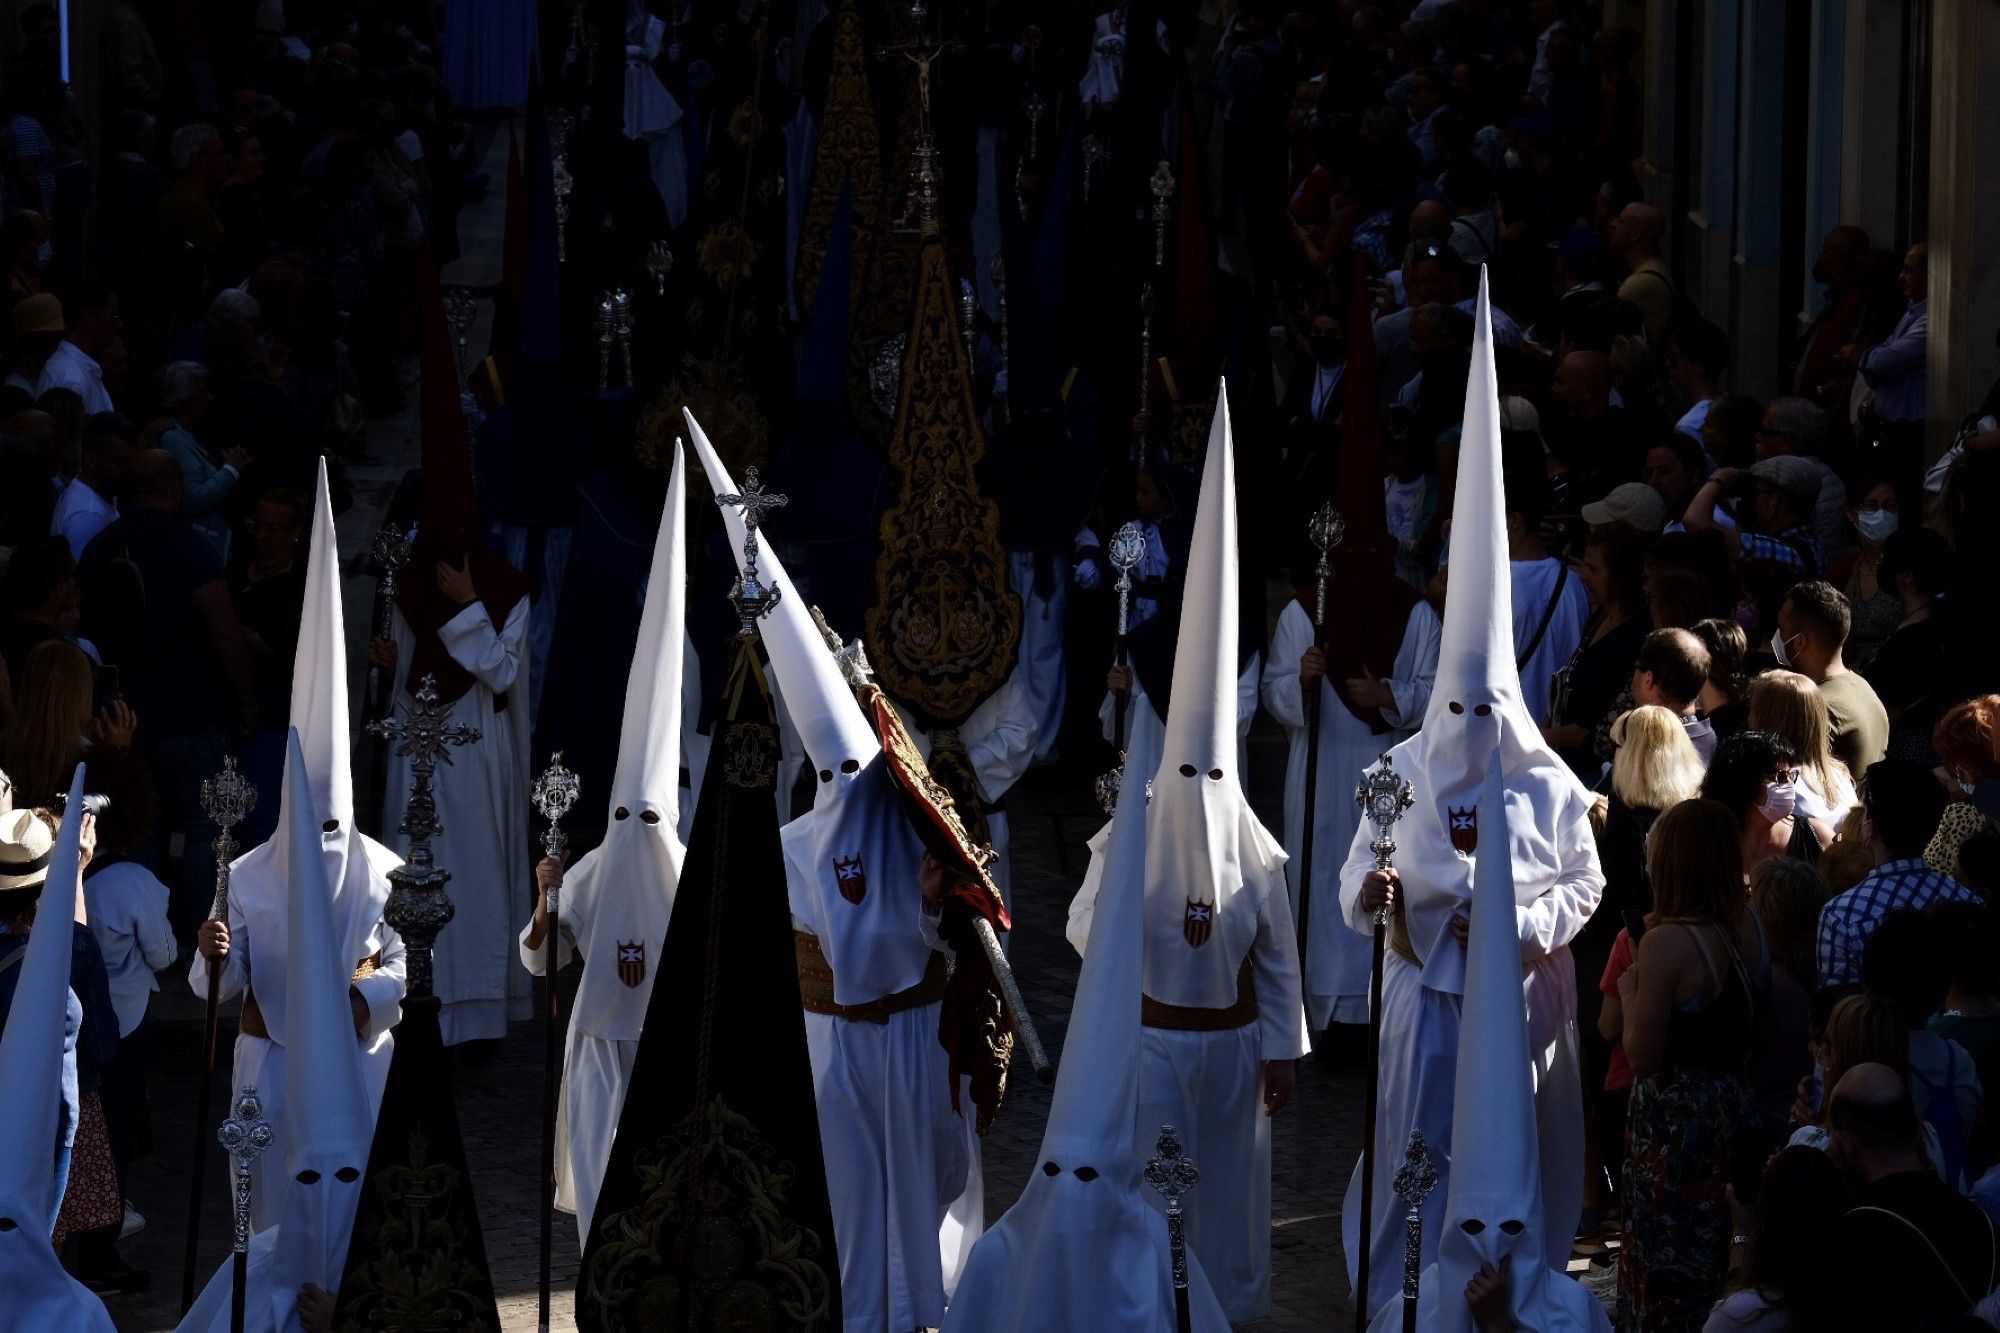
(418, 906)
(1383, 795)
(660, 263)
(1128, 548)
(753, 600)
(1413, 1182)
(459, 312)
(554, 792)
(1171, 1173)
(228, 798)
(1326, 530)
(245, 1136)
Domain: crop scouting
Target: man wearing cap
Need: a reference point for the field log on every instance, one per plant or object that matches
(1795, 427)
(1780, 509)
(88, 326)
(1633, 505)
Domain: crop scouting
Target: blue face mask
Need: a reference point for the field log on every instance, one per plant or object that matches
(43, 254)
(1876, 524)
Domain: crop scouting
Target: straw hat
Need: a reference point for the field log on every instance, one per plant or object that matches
(25, 847)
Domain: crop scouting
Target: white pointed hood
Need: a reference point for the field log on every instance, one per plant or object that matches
(830, 723)
(1475, 705)
(1210, 865)
(353, 866)
(852, 860)
(1096, 1248)
(621, 894)
(1493, 1203)
(329, 1123)
(39, 1294)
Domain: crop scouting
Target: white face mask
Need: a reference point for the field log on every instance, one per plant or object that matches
(1512, 159)
(1876, 525)
(1780, 799)
(1778, 648)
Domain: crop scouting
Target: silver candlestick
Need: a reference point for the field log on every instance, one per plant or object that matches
(1162, 185)
(1171, 1173)
(1413, 1182)
(660, 263)
(245, 1136)
(418, 905)
(751, 597)
(1383, 796)
(554, 792)
(228, 798)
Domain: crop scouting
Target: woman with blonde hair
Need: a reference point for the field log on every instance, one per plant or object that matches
(53, 724)
(1791, 706)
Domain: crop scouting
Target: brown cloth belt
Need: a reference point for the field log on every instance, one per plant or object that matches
(251, 1024)
(816, 986)
(1399, 938)
(1186, 1018)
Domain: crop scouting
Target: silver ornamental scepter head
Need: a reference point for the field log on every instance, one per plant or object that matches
(1327, 529)
(228, 798)
(1172, 1175)
(554, 792)
(1383, 795)
(1413, 1183)
(245, 1136)
(1128, 548)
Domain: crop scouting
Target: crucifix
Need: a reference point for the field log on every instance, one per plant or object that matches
(418, 906)
(922, 53)
(752, 599)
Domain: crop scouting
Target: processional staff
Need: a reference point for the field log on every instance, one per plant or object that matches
(554, 792)
(1127, 549)
(1326, 529)
(228, 798)
(246, 1136)
(392, 552)
(1383, 796)
(1414, 1181)
(1170, 1172)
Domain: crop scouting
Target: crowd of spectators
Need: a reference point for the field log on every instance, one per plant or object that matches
(202, 300)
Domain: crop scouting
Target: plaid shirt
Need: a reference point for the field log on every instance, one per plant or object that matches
(1795, 548)
(1847, 921)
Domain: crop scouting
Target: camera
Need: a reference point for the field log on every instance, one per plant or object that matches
(94, 803)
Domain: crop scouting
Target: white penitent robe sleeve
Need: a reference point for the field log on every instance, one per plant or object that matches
(383, 989)
(1552, 920)
(1002, 734)
(493, 657)
(1416, 668)
(533, 959)
(235, 973)
(1274, 964)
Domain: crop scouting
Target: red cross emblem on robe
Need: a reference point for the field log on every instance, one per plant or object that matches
(1464, 829)
(852, 877)
(1197, 923)
(632, 961)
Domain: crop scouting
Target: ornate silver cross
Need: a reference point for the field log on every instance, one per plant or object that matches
(245, 1136)
(228, 798)
(1128, 548)
(752, 599)
(418, 905)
